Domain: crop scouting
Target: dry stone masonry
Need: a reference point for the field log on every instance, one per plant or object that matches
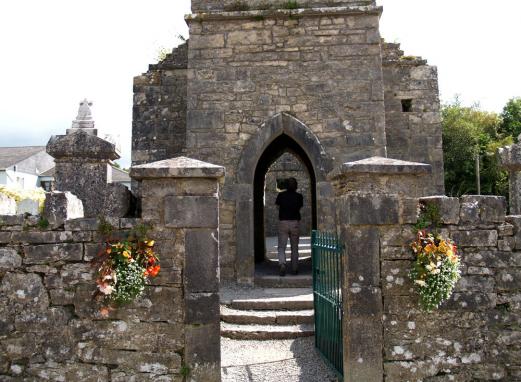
(52, 329)
(475, 335)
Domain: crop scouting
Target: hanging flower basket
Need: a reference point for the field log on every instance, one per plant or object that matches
(124, 268)
(436, 269)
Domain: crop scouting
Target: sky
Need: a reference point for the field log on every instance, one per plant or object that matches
(54, 53)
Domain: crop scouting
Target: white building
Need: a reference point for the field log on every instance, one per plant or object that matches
(22, 166)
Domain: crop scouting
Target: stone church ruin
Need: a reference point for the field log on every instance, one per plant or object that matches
(257, 81)
(260, 92)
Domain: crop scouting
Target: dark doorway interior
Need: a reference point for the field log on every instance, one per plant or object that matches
(278, 147)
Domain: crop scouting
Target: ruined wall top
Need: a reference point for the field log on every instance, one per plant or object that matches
(235, 5)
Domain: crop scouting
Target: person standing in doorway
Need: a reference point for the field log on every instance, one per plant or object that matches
(290, 202)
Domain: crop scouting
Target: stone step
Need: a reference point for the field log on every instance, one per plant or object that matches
(267, 317)
(290, 281)
(274, 303)
(266, 332)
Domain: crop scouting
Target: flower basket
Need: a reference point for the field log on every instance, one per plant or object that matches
(436, 269)
(124, 268)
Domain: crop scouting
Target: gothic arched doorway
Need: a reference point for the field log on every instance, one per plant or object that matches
(264, 190)
(281, 134)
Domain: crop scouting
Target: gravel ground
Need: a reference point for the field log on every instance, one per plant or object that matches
(273, 361)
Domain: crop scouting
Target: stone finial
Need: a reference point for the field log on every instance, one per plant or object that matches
(84, 120)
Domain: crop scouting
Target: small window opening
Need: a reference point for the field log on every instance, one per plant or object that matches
(407, 105)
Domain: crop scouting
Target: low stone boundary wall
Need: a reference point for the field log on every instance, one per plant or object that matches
(474, 336)
(52, 329)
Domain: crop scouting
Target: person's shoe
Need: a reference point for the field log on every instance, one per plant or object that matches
(282, 271)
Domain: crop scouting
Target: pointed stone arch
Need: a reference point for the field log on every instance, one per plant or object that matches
(281, 125)
(276, 126)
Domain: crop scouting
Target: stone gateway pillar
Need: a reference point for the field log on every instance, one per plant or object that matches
(372, 195)
(510, 158)
(180, 197)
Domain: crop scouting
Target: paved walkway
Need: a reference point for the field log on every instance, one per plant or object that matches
(273, 361)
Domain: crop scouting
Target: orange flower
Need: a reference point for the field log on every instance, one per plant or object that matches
(109, 250)
(153, 271)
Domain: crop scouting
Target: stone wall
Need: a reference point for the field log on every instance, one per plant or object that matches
(52, 329)
(238, 5)
(159, 114)
(323, 68)
(285, 167)
(475, 335)
(413, 134)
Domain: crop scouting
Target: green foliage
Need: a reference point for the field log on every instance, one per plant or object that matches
(468, 132)
(104, 227)
(511, 119)
(291, 4)
(43, 223)
(429, 217)
(131, 282)
(438, 288)
(162, 52)
(185, 371)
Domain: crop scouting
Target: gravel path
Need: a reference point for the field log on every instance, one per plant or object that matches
(273, 361)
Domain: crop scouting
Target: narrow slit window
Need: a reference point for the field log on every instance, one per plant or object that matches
(407, 105)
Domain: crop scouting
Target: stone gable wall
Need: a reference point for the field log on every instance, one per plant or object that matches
(323, 69)
(415, 135)
(159, 114)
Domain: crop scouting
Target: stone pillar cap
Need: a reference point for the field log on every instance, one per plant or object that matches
(80, 144)
(381, 165)
(510, 157)
(180, 167)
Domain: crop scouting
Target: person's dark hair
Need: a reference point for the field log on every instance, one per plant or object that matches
(292, 184)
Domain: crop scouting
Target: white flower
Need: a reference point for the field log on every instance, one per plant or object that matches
(435, 271)
(106, 289)
(420, 282)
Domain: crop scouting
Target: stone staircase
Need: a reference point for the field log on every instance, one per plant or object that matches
(267, 314)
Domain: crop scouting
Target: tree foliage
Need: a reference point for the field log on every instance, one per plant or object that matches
(511, 119)
(467, 133)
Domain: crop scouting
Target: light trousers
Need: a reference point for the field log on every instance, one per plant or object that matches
(289, 229)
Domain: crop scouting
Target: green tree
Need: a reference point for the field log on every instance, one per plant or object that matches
(511, 118)
(468, 132)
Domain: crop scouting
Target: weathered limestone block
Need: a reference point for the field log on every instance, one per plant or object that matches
(9, 259)
(448, 208)
(363, 209)
(475, 238)
(41, 237)
(62, 206)
(118, 200)
(24, 292)
(28, 206)
(7, 205)
(492, 209)
(51, 371)
(51, 253)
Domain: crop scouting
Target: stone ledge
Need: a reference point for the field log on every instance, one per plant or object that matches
(284, 13)
(180, 167)
(381, 165)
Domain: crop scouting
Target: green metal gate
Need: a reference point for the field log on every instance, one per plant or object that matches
(327, 297)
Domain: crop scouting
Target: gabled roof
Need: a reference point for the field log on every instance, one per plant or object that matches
(10, 156)
(119, 176)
